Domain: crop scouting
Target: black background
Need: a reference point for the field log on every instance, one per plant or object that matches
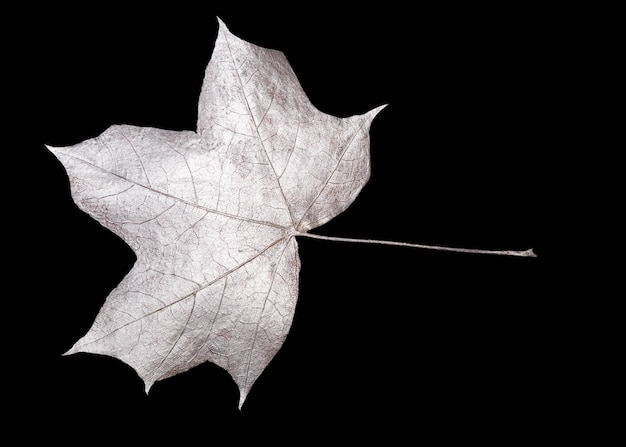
(387, 343)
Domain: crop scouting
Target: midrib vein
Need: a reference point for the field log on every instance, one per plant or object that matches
(178, 199)
(190, 294)
(256, 129)
(330, 176)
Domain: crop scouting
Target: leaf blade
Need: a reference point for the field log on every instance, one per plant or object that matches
(212, 216)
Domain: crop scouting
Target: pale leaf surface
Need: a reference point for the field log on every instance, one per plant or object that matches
(212, 216)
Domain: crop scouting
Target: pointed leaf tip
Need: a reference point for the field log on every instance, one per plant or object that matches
(72, 350)
(371, 114)
(380, 107)
(147, 386)
(57, 151)
(376, 110)
(221, 25)
(52, 149)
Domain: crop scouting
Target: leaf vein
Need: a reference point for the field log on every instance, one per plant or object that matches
(326, 183)
(209, 210)
(258, 135)
(132, 146)
(202, 287)
(258, 322)
(156, 370)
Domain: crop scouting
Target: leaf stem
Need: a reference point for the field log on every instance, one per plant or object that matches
(521, 253)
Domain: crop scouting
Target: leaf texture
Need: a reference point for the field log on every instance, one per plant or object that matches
(212, 216)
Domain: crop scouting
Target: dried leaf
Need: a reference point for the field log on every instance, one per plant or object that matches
(212, 216)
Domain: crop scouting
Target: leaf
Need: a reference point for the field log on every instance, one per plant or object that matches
(212, 216)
